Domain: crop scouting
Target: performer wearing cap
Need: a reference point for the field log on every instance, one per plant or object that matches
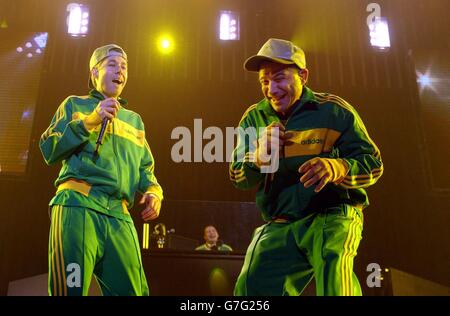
(313, 203)
(92, 231)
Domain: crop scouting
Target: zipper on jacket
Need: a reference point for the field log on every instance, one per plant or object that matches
(119, 177)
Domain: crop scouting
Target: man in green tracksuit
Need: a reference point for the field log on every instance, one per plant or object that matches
(92, 231)
(311, 158)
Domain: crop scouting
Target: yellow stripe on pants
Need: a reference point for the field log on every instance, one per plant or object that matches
(59, 278)
(53, 255)
(349, 245)
(56, 251)
(63, 266)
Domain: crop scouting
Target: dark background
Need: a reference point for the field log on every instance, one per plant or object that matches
(407, 224)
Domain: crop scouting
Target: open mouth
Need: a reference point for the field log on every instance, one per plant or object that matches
(277, 100)
(118, 81)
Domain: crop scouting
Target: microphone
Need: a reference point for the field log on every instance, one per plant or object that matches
(100, 135)
(267, 182)
(269, 176)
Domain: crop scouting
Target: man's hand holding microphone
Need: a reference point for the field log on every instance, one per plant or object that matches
(106, 109)
(320, 171)
(274, 137)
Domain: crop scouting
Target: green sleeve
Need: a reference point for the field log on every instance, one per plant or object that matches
(226, 248)
(244, 174)
(360, 153)
(63, 136)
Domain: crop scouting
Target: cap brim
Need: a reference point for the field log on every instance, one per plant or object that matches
(253, 63)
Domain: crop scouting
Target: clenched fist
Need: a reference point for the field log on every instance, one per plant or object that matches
(152, 206)
(273, 134)
(106, 109)
(322, 171)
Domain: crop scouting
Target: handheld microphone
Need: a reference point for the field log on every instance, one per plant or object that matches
(100, 135)
(269, 176)
(267, 182)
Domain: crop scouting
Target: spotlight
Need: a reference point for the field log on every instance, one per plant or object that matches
(424, 80)
(77, 20)
(35, 46)
(379, 34)
(165, 44)
(3, 24)
(229, 25)
(41, 40)
(26, 115)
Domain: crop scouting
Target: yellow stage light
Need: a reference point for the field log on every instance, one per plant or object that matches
(165, 44)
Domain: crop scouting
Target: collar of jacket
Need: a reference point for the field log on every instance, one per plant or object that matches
(94, 93)
(306, 99)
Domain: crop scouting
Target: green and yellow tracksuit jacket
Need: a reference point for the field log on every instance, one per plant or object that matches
(106, 182)
(323, 125)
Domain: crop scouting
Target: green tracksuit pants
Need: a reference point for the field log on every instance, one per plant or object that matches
(282, 258)
(84, 242)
